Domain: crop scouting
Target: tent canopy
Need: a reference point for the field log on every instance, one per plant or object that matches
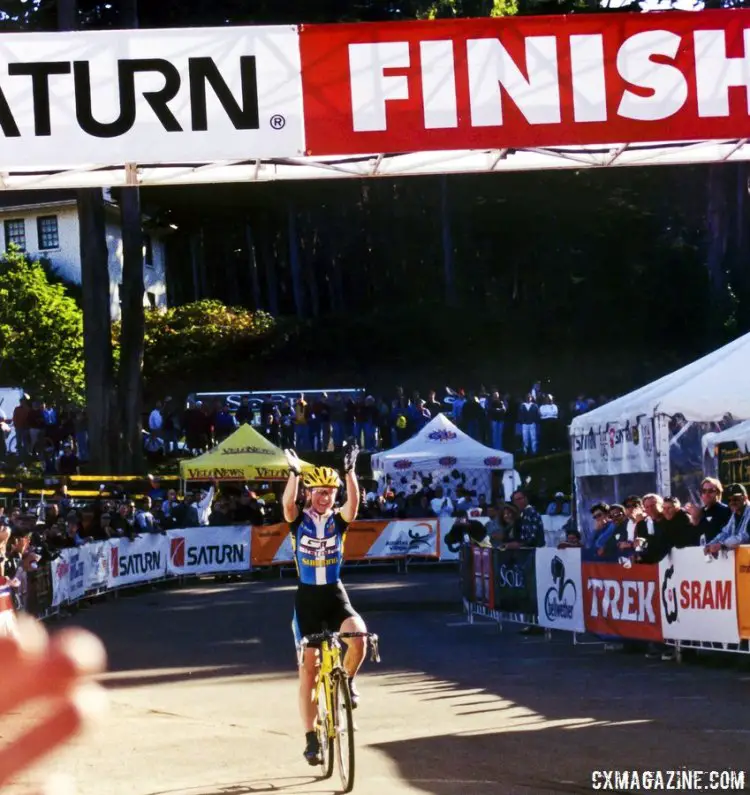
(440, 445)
(705, 391)
(738, 435)
(245, 455)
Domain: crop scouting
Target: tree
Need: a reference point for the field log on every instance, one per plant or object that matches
(41, 332)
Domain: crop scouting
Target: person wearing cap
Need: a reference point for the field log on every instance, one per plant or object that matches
(559, 506)
(735, 531)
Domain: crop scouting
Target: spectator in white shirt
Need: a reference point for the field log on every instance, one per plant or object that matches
(440, 504)
(202, 501)
(549, 425)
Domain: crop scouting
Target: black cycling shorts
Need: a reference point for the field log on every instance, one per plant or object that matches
(319, 607)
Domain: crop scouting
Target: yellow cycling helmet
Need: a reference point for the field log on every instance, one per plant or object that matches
(321, 477)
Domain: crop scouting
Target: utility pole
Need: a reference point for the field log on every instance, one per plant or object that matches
(133, 320)
(97, 344)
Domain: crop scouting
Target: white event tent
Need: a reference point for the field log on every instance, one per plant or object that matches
(439, 449)
(738, 435)
(652, 438)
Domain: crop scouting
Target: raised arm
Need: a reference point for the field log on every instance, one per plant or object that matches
(289, 497)
(351, 506)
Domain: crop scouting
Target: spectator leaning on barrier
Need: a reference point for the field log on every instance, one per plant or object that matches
(735, 532)
(605, 543)
(713, 514)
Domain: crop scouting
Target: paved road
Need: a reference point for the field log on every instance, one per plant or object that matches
(203, 691)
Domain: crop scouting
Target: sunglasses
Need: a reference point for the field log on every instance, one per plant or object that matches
(709, 491)
(598, 515)
(736, 498)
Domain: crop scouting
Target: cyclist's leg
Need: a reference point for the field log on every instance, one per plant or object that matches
(308, 670)
(356, 648)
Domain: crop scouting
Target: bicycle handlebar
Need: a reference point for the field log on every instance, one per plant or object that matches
(334, 636)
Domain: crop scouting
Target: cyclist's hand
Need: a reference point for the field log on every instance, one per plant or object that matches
(351, 451)
(295, 465)
(54, 671)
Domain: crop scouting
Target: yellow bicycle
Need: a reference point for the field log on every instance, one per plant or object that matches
(335, 723)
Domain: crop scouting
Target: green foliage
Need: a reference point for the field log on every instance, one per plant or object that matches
(41, 331)
(186, 341)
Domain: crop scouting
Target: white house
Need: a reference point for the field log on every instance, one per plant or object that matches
(45, 223)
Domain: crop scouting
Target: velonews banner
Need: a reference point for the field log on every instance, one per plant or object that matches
(559, 589)
(515, 581)
(137, 561)
(622, 601)
(206, 95)
(698, 599)
(204, 550)
(742, 578)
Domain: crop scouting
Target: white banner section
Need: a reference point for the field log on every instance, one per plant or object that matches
(614, 450)
(204, 550)
(698, 598)
(137, 561)
(149, 96)
(402, 538)
(559, 589)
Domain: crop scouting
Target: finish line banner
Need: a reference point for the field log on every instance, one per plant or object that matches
(206, 95)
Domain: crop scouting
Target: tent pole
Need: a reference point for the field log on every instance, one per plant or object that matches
(661, 453)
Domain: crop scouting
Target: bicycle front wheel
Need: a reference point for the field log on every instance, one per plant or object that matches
(325, 730)
(343, 721)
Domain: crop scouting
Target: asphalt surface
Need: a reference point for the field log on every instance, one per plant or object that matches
(202, 682)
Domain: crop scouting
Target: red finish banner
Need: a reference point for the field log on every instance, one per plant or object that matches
(526, 81)
(620, 601)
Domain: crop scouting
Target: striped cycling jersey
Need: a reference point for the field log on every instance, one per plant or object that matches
(318, 543)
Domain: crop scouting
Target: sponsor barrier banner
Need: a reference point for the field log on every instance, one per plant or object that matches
(483, 579)
(60, 570)
(414, 538)
(137, 561)
(203, 550)
(620, 601)
(77, 558)
(271, 544)
(742, 578)
(698, 599)
(97, 565)
(150, 96)
(522, 81)
(515, 580)
(559, 590)
(614, 450)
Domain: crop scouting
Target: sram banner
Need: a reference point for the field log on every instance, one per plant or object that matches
(149, 96)
(525, 81)
(203, 550)
(140, 560)
(698, 599)
(620, 601)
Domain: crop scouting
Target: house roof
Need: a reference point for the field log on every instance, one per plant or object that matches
(34, 198)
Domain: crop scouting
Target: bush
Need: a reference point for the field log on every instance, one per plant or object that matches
(186, 342)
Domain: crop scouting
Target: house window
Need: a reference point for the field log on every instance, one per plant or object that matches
(15, 232)
(148, 251)
(151, 300)
(49, 235)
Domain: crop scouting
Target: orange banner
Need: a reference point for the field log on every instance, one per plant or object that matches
(742, 576)
(272, 545)
(266, 543)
